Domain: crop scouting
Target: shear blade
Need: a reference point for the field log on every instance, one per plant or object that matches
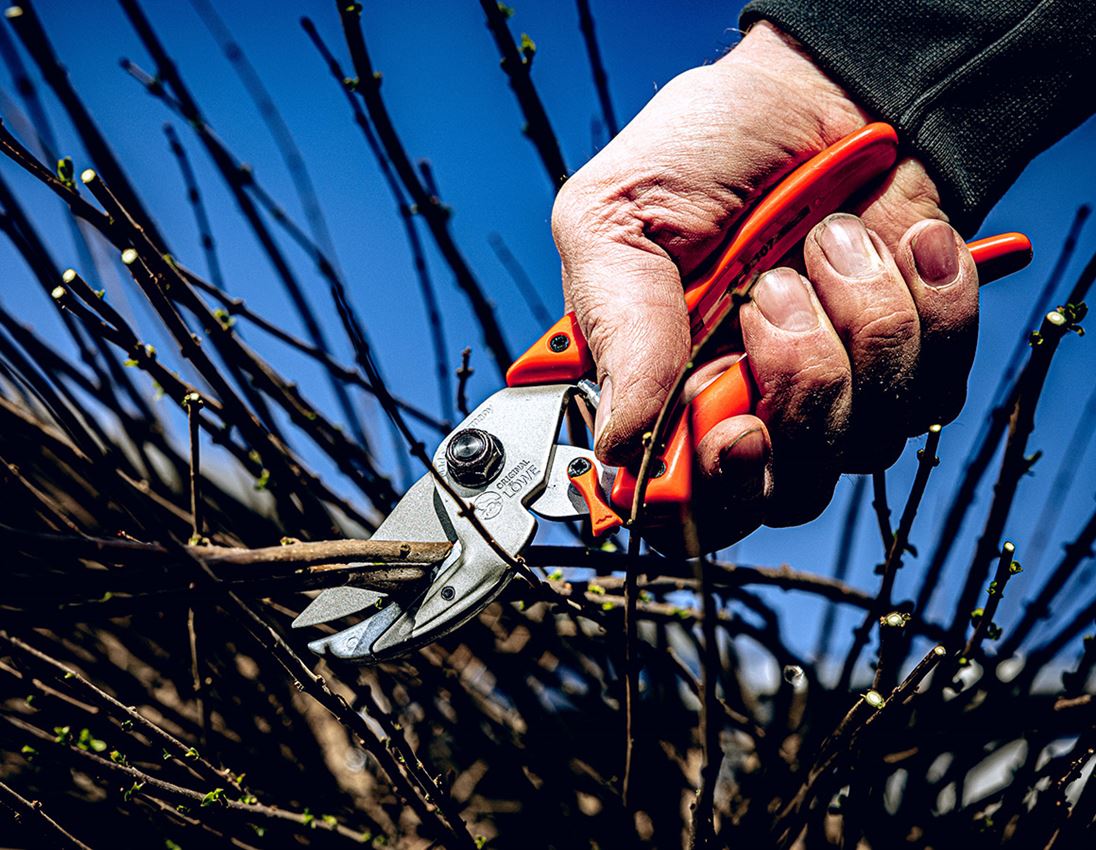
(526, 421)
(336, 603)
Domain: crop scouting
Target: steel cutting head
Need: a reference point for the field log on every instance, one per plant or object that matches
(498, 463)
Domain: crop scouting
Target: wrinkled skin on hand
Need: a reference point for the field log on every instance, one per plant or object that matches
(868, 347)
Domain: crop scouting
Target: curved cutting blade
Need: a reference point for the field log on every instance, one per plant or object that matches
(525, 421)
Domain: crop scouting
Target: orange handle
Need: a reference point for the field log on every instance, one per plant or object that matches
(734, 393)
(776, 224)
(810, 193)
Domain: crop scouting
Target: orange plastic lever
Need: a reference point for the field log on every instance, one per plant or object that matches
(583, 475)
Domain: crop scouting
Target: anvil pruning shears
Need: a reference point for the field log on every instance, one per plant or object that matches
(505, 463)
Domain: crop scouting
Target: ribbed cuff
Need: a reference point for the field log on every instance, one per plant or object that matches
(975, 90)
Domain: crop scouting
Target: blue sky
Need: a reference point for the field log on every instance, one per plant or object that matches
(451, 103)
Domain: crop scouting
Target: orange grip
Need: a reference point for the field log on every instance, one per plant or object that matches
(1000, 255)
(583, 475)
(734, 393)
(779, 221)
(772, 228)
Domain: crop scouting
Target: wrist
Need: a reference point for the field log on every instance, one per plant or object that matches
(810, 103)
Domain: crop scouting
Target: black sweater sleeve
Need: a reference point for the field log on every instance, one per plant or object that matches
(975, 88)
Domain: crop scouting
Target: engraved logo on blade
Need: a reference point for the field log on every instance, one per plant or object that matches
(488, 505)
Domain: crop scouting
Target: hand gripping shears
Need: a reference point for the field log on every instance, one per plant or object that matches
(505, 461)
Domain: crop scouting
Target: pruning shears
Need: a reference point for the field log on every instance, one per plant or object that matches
(504, 464)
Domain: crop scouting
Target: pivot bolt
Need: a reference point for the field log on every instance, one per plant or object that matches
(448, 593)
(579, 466)
(474, 457)
(559, 343)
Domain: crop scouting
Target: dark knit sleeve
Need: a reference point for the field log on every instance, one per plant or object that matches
(975, 89)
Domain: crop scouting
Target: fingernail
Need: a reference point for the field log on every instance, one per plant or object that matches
(935, 254)
(848, 248)
(784, 301)
(601, 419)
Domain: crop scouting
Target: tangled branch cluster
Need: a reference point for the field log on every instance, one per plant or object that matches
(151, 688)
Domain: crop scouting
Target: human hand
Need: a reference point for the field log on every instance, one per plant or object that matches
(873, 345)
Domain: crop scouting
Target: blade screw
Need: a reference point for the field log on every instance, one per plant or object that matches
(474, 457)
(559, 343)
(658, 469)
(579, 466)
(448, 593)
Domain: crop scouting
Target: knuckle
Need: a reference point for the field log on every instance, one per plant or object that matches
(886, 328)
(818, 389)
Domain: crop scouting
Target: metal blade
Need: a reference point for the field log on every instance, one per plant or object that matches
(417, 517)
(334, 603)
(560, 500)
(526, 421)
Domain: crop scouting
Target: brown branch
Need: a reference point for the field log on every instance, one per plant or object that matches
(46, 825)
(517, 65)
(367, 85)
(926, 462)
(597, 67)
(302, 555)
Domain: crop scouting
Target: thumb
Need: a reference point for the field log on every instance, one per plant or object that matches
(630, 306)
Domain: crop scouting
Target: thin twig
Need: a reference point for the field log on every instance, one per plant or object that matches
(983, 618)
(882, 509)
(841, 561)
(1014, 463)
(517, 65)
(597, 67)
(926, 462)
(525, 286)
(19, 806)
(434, 318)
(367, 85)
(464, 372)
(995, 424)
